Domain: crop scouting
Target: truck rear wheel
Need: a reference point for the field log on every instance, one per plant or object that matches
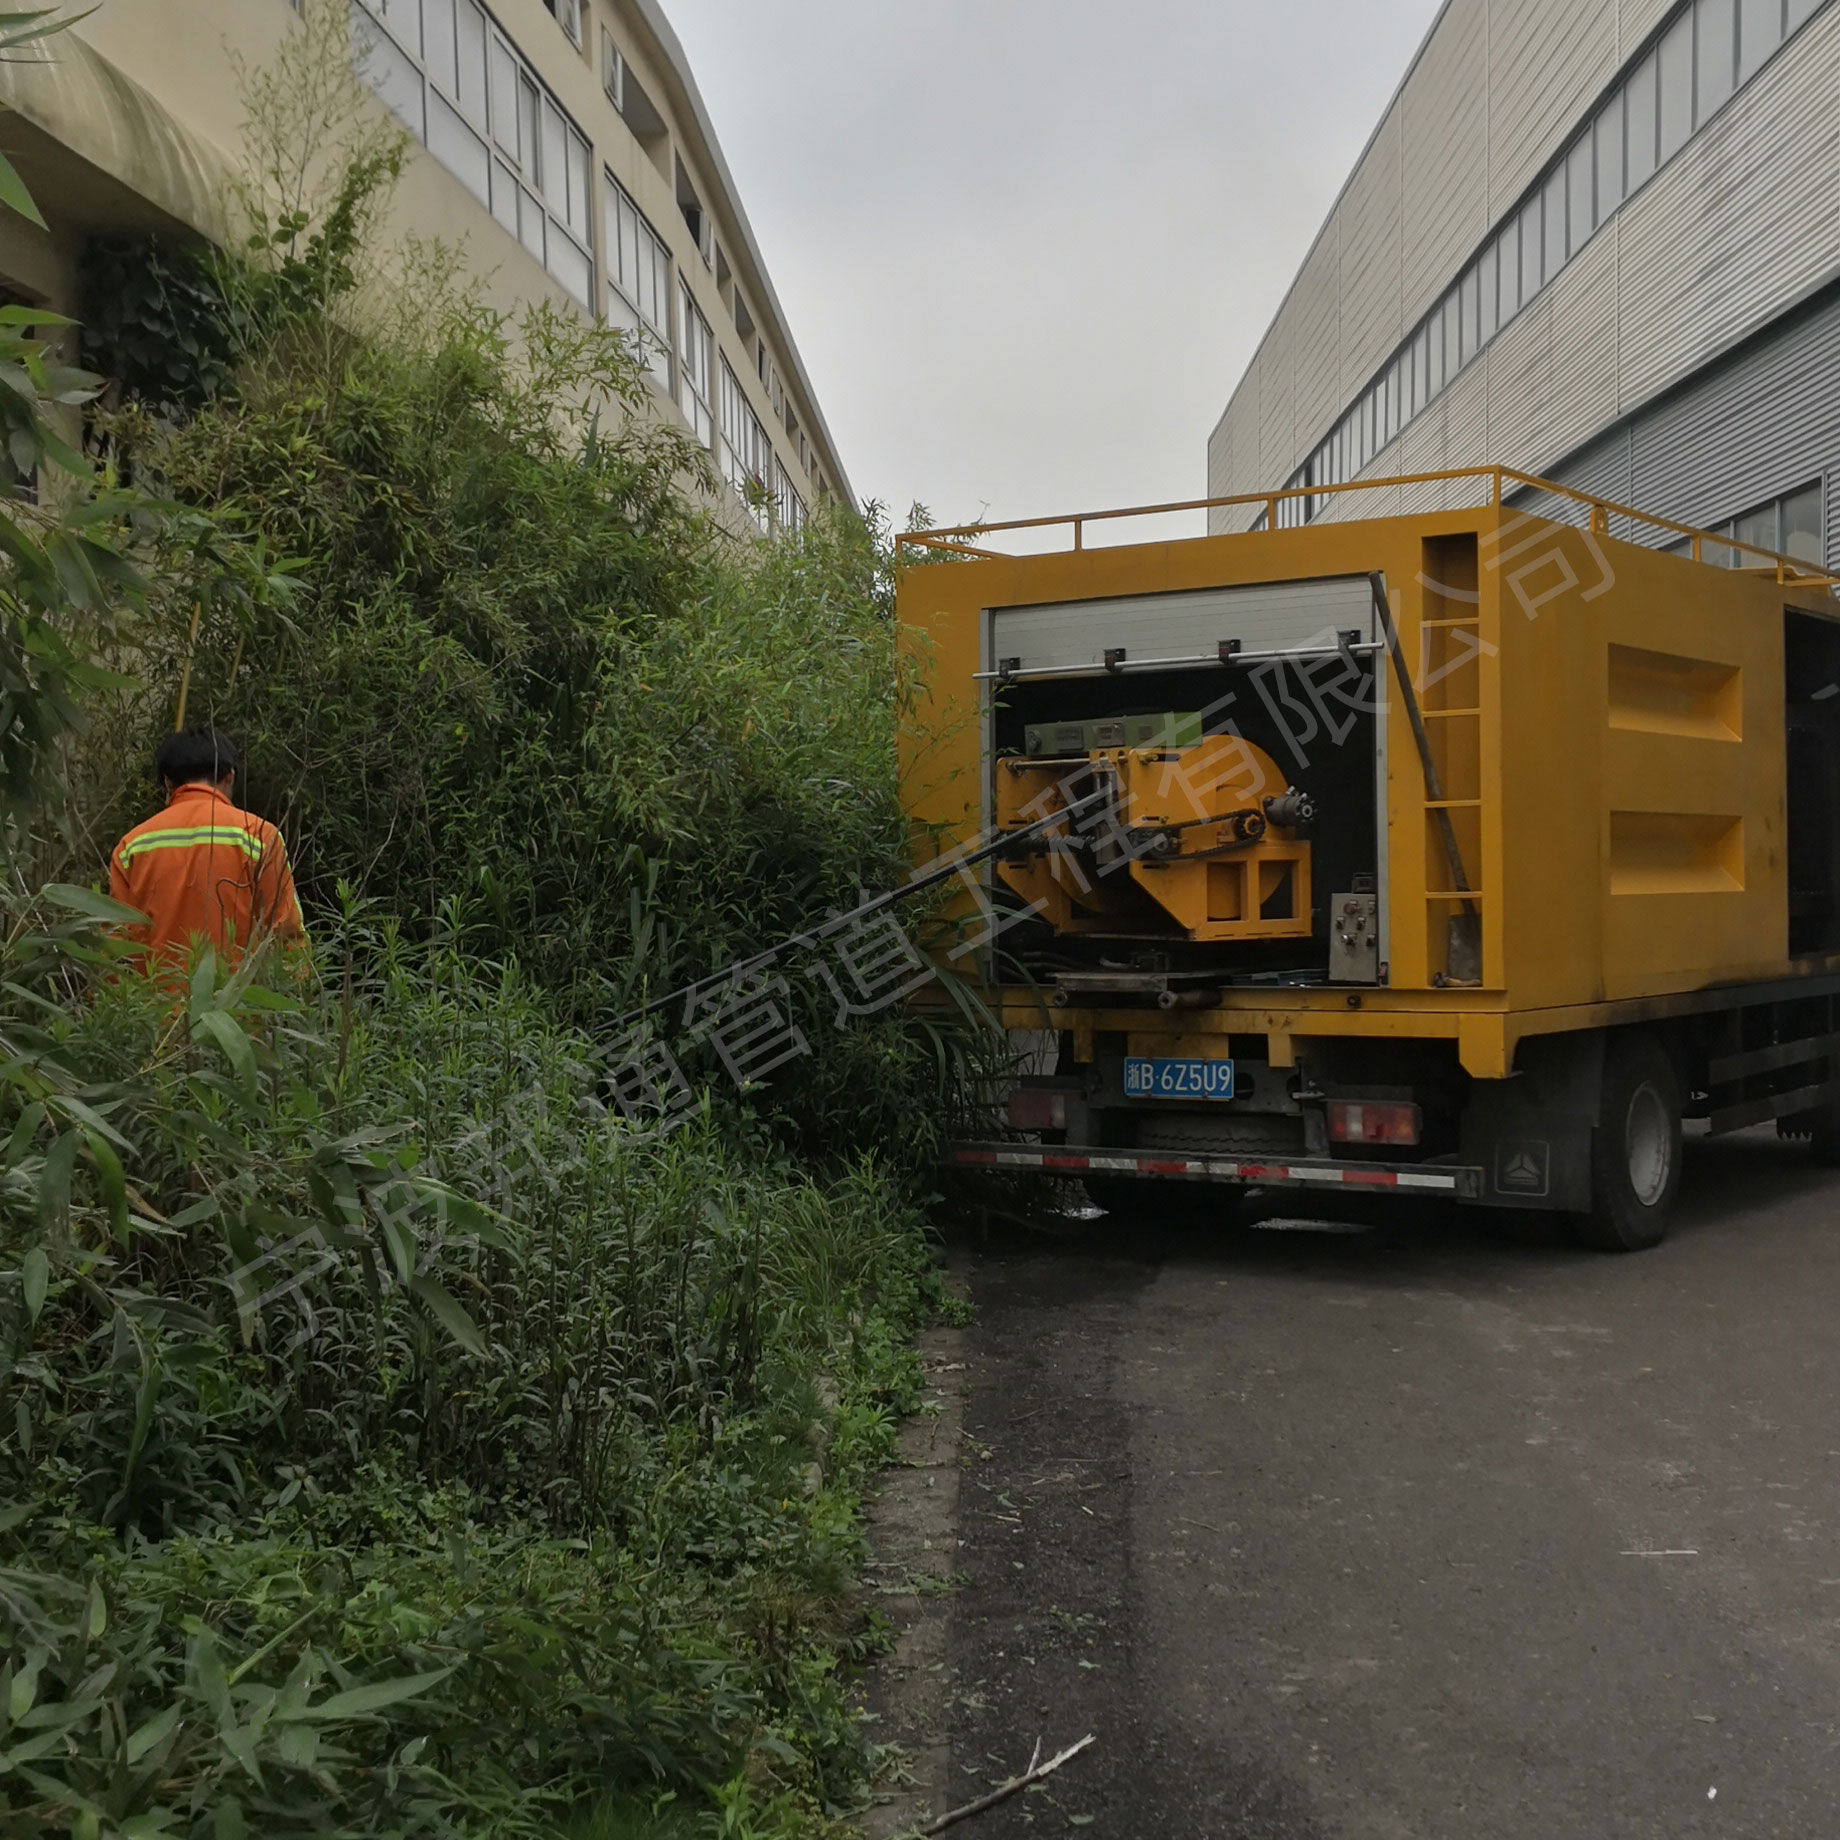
(1635, 1148)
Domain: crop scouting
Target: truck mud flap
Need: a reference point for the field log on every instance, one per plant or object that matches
(1463, 1183)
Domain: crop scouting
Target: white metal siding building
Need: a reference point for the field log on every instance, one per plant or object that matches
(1593, 239)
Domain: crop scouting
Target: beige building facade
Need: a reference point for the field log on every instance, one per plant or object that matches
(561, 145)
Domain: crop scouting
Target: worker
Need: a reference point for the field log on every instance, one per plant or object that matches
(202, 869)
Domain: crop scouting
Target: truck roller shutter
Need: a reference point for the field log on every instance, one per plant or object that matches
(1263, 617)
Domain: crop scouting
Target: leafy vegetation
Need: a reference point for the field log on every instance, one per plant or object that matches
(396, 1437)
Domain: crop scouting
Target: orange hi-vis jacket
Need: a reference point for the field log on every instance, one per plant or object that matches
(203, 868)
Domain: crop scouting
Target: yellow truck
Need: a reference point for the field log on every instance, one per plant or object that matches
(1459, 852)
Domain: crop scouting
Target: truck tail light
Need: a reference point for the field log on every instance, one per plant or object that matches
(1031, 1108)
(1374, 1121)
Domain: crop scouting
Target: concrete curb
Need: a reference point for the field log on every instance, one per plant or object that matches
(913, 1537)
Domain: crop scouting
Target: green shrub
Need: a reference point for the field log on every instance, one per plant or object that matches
(348, 1504)
(395, 1437)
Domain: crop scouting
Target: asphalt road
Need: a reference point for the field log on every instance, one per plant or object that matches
(1430, 1531)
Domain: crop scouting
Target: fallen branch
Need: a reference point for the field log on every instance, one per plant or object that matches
(1016, 1784)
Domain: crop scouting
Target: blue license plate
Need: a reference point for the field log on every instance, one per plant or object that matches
(1171, 1079)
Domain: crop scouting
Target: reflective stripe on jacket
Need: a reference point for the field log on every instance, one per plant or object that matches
(202, 867)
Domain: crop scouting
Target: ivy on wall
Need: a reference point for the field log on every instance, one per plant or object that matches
(157, 320)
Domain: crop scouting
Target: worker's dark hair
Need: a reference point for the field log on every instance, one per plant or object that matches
(196, 754)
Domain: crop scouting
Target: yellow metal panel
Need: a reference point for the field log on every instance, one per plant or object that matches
(1609, 719)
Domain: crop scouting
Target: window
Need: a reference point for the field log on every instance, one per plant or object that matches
(390, 70)
(696, 357)
(1715, 54)
(468, 96)
(747, 454)
(1453, 336)
(1802, 533)
(1530, 252)
(696, 219)
(788, 507)
(1488, 313)
(568, 17)
(1641, 117)
(1580, 193)
(1508, 266)
(1554, 212)
(1760, 24)
(1786, 526)
(613, 71)
(1468, 293)
(1759, 529)
(1609, 157)
(1676, 86)
(1800, 10)
(639, 269)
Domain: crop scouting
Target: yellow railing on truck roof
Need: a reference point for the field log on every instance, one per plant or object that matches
(1500, 480)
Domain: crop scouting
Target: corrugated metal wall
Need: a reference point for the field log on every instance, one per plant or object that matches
(1443, 120)
(1752, 427)
(1740, 225)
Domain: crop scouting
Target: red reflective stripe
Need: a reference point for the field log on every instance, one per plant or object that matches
(1023, 1157)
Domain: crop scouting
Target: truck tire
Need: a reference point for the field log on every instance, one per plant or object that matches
(1635, 1148)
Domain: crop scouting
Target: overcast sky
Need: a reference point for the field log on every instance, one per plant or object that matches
(1027, 246)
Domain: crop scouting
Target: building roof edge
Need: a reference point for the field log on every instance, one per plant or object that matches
(676, 61)
(1367, 147)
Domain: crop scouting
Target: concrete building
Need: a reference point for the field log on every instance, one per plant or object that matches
(562, 144)
(1596, 240)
